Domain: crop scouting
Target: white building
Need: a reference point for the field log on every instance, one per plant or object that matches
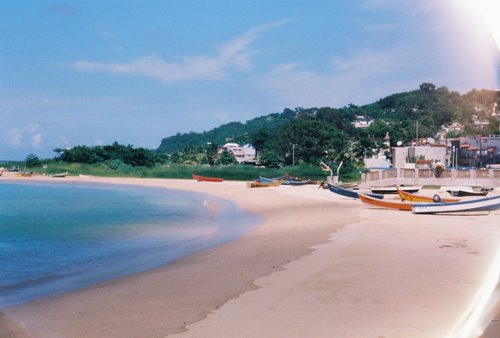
(401, 156)
(245, 153)
(362, 122)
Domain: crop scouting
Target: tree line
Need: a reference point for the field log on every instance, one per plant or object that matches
(310, 135)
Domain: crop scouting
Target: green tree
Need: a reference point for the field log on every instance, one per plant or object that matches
(270, 158)
(363, 148)
(211, 153)
(32, 160)
(226, 158)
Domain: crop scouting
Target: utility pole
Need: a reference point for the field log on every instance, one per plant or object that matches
(417, 132)
(293, 154)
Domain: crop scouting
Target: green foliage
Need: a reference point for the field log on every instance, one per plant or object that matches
(270, 158)
(233, 131)
(226, 158)
(136, 157)
(32, 161)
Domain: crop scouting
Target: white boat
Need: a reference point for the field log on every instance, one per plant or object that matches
(393, 189)
(479, 204)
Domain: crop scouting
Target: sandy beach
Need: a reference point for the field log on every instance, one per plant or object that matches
(318, 265)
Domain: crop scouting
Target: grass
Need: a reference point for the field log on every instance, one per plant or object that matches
(181, 171)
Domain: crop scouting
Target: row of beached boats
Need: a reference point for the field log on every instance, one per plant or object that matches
(409, 199)
(262, 182)
(420, 204)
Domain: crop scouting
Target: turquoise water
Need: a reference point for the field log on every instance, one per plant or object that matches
(58, 237)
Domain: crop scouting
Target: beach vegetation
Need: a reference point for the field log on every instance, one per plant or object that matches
(32, 161)
(294, 140)
(226, 158)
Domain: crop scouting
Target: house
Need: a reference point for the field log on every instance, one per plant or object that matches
(432, 153)
(478, 151)
(362, 122)
(243, 154)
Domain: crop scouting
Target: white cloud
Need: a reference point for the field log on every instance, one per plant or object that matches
(36, 140)
(234, 54)
(350, 79)
(21, 137)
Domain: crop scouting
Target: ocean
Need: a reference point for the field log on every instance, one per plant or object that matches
(58, 237)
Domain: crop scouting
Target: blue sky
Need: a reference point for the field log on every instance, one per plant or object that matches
(95, 72)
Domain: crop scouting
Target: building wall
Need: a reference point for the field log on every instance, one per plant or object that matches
(436, 154)
(401, 155)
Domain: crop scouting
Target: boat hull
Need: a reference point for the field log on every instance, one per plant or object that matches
(424, 199)
(385, 203)
(481, 204)
(350, 193)
(394, 189)
(462, 193)
(263, 184)
(206, 179)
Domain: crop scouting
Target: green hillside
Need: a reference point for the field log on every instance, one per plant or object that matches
(397, 114)
(233, 131)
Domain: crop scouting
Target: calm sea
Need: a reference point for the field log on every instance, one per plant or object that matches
(59, 237)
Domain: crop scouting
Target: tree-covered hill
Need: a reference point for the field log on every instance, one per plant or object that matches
(397, 114)
(233, 131)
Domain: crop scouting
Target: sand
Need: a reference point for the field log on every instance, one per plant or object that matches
(319, 265)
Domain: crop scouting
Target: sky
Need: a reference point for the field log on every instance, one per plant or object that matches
(135, 71)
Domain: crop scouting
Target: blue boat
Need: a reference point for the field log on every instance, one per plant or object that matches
(287, 180)
(350, 193)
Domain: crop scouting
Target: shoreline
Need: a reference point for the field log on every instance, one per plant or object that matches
(328, 263)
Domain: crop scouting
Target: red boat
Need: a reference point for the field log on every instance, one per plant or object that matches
(206, 179)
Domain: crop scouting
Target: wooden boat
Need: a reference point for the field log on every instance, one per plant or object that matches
(349, 193)
(394, 189)
(405, 196)
(467, 192)
(206, 179)
(287, 180)
(258, 184)
(278, 178)
(60, 174)
(406, 206)
(24, 174)
(297, 183)
(479, 204)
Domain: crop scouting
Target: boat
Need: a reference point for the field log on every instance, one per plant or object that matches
(405, 196)
(297, 183)
(288, 180)
(278, 178)
(349, 192)
(405, 206)
(60, 174)
(393, 189)
(468, 192)
(258, 184)
(206, 179)
(479, 204)
(24, 173)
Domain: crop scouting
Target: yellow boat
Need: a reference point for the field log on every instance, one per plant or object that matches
(263, 184)
(24, 174)
(405, 196)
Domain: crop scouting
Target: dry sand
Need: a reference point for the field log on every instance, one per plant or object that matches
(319, 265)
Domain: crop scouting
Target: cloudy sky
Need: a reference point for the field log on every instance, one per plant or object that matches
(135, 71)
